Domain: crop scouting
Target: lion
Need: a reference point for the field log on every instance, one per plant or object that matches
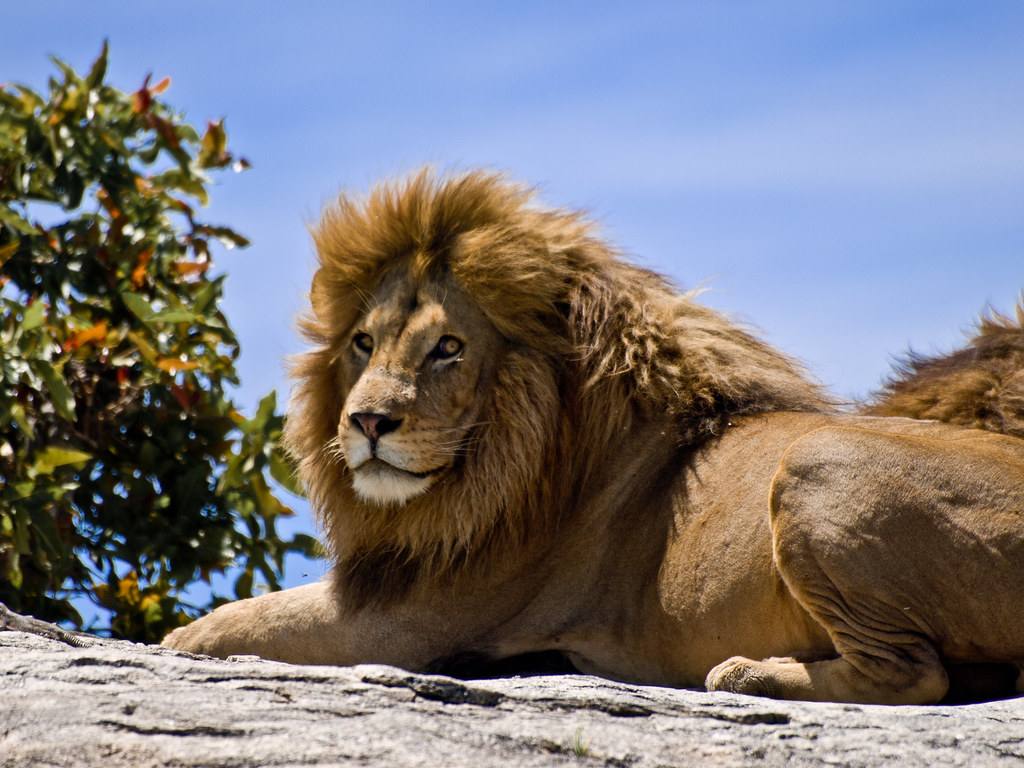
(520, 445)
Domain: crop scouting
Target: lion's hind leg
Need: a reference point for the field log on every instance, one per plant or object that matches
(918, 677)
(873, 535)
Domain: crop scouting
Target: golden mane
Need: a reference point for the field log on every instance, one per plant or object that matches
(595, 344)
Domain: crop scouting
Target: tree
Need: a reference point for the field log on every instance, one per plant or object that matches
(126, 472)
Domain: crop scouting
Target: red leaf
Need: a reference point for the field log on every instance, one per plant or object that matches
(186, 396)
(142, 97)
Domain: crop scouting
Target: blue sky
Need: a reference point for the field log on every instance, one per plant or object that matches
(848, 175)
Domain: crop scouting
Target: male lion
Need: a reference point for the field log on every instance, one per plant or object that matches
(517, 442)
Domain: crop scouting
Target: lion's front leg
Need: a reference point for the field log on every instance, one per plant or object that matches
(297, 625)
(309, 625)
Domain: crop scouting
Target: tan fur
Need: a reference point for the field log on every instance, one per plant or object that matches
(518, 442)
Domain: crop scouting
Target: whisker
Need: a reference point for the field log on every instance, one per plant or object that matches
(332, 451)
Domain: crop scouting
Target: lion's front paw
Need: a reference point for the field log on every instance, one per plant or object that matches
(220, 634)
(189, 638)
(740, 675)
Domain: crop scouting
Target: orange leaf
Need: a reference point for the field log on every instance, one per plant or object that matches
(107, 203)
(142, 101)
(176, 365)
(139, 273)
(89, 336)
(161, 86)
(190, 268)
(128, 590)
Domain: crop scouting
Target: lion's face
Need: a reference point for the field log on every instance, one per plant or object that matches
(415, 366)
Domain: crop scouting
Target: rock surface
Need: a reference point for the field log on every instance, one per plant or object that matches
(112, 703)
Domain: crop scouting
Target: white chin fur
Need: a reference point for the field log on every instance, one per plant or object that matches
(386, 485)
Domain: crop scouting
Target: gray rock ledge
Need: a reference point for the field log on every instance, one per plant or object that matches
(112, 703)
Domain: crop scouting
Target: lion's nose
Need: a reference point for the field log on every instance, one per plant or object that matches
(374, 425)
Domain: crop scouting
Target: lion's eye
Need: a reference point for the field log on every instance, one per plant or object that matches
(448, 347)
(363, 342)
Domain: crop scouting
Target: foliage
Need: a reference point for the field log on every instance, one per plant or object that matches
(126, 472)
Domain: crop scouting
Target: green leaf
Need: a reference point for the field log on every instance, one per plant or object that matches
(243, 584)
(268, 503)
(147, 350)
(307, 546)
(14, 575)
(21, 535)
(153, 615)
(176, 178)
(138, 306)
(33, 317)
(46, 531)
(207, 294)
(99, 68)
(70, 76)
(173, 316)
(18, 416)
(31, 100)
(52, 457)
(227, 236)
(6, 251)
(10, 99)
(264, 411)
(284, 476)
(12, 219)
(61, 396)
(213, 151)
(143, 310)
